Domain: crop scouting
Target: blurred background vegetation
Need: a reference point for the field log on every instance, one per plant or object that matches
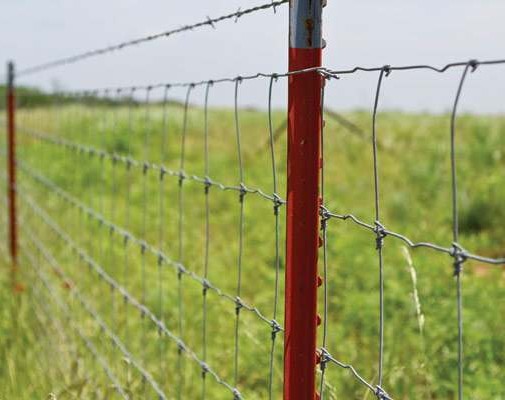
(44, 357)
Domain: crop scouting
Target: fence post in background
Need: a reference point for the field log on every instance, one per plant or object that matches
(304, 163)
(11, 167)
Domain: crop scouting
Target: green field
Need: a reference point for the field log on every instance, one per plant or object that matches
(42, 355)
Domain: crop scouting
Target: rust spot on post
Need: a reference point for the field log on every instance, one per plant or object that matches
(309, 27)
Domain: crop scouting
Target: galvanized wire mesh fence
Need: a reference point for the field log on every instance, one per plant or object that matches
(148, 264)
(458, 254)
(152, 230)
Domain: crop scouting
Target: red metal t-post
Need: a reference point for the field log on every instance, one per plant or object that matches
(11, 164)
(304, 163)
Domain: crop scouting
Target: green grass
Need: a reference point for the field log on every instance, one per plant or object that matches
(45, 356)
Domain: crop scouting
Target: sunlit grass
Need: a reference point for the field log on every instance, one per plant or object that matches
(420, 331)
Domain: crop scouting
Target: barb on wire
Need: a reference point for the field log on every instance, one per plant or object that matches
(134, 42)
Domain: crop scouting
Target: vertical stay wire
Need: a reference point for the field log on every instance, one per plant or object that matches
(91, 224)
(126, 269)
(277, 204)
(379, 229)
(147, 132)
(113, 205)
(180, 361)
(241, 233)
(455, 219)
(77, 178)
(161, 223)
(324, 232)
(207, 235)
(103, 142)
(459, 258)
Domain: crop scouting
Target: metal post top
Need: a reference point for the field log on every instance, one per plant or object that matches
(10, 73)
(305, 21)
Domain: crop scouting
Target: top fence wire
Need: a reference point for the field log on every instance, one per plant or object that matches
(152, 231)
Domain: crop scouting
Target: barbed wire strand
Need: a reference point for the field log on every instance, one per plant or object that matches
(134, 42)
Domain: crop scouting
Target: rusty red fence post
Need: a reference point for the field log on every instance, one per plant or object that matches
(304, 164)
(11, 166)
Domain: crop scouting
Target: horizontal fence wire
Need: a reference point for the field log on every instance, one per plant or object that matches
(325, 71)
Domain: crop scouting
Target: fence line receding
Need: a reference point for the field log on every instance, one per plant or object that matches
(152, 230)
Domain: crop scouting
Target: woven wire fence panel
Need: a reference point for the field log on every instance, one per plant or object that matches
(118, 181)
(410, 239)
(152, 223)
(140, 216)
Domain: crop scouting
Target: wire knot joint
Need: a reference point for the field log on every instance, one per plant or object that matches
(386, 69)
(324, 358)
(236, 394)
(239, 304)
(381, 394)
(277, 203)
(276, 328)
(473, 64)
(325, 215)
(380, 232)
(207, 184)
(459, 255)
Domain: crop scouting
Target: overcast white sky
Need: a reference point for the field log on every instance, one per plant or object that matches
(358, 32)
